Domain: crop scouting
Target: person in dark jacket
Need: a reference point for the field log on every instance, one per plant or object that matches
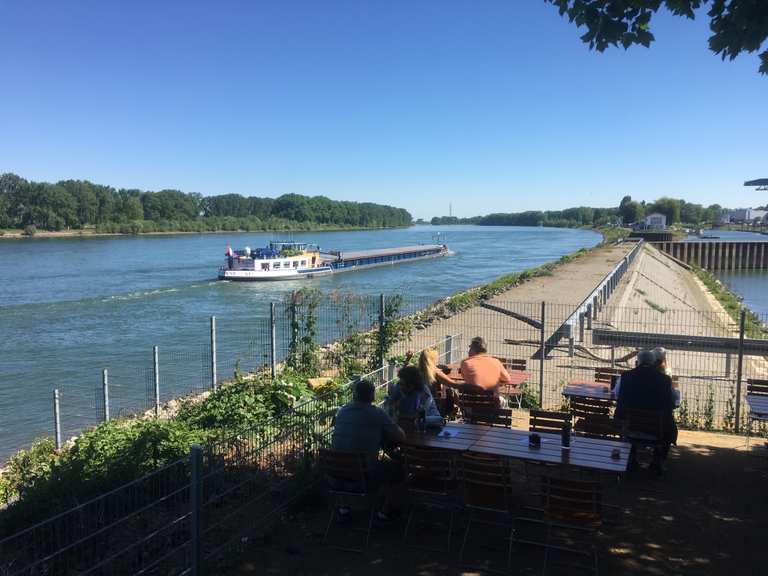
(646, 388)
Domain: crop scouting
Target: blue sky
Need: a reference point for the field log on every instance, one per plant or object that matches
(494, 106)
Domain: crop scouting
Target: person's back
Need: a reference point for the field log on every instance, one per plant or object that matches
(484, 371)
(644, 388)
(362, 427)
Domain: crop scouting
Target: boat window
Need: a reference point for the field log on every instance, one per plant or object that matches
(276, 265)
(303, 262)
(265, 266)
(295, 263)
(286, 264)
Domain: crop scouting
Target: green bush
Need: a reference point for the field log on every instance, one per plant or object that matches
(30, 230)
(27, 467)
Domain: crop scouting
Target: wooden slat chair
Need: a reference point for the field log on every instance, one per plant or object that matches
(642, 429)
(600, 426)
(346, 475)
(431, 481)
(755, 387)
(603, 375)
(486, 493)
(481, 407)
(545, 421)
(571, 516)
(592, 418)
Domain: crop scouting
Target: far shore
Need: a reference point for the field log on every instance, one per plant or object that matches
(91, 233)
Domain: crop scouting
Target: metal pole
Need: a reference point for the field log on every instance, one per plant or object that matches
(448, 349)
(156, 366)
(214, 375)
(56, 419)
(391, 371)
(273, 340)
(105, 393)
(727, 364)
(613, 357)
(542, 338)
(196, 504)
(382, 335)
(589, 316)
(739, 370)
(581, 326)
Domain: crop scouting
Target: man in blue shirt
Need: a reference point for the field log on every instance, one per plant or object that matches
(362, 427)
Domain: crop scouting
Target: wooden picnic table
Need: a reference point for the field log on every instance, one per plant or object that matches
(588, 389)
(592, 453)
(758, 404)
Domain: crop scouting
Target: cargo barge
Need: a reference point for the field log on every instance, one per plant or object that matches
(295, 260)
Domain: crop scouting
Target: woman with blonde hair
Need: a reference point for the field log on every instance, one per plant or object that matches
(438, 381)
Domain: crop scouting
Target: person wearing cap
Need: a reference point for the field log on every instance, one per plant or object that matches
(646, 388)
(364, 428)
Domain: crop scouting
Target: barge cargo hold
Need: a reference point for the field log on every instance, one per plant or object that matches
(295, 260)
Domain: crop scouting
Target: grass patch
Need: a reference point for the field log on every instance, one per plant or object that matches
(659, 308)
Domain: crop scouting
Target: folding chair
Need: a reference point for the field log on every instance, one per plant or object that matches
(482, 407)
(347, 480)
(755, 387)
(592, 418)
(571, 518)
(545, 421)
(514, 391)
(431, 481)
(486, 489)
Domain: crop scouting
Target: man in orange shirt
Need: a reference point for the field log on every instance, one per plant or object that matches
(482, 369)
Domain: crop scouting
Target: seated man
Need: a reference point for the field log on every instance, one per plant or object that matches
(362, 427)
(483, 370)
(646, 388)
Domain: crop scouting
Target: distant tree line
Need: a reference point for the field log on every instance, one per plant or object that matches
(629, 211)
(75, 204)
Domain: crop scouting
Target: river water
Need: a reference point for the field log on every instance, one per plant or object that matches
(70, 307)
(751, 285)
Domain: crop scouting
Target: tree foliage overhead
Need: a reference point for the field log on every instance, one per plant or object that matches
(74, 204)
(737, 25)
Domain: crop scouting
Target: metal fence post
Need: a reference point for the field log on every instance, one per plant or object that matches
(542, 338)
(273, 340)
(156, 373)
(589, 316)
(214, 375)
(196, 504)
(56, 419)
(391, 371)
(448, 349)
(727, 364)
(581, 326)
(105, 393)
(382, 328)
(613, 356)
(739, 370)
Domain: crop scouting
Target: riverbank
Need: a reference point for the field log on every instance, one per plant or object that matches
(8, 234)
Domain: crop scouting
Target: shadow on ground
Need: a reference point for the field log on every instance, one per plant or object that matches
(706, 516)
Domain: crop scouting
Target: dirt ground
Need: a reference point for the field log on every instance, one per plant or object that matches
(705, 516)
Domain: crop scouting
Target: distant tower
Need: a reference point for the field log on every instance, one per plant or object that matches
(450, 209)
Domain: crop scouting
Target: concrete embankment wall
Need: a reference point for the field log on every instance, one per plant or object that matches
(719, 255)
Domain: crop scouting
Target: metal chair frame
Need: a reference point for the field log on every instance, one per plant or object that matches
(486, 473)
(431, 479)
(347, 468)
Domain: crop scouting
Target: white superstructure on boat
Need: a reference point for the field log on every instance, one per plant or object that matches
(294, 260)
